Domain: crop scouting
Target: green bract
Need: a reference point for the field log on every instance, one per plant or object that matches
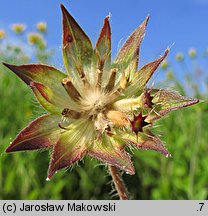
(99, 107)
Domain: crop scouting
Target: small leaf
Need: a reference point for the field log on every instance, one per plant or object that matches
(166, 101)
(143, 75)
(103, 45)
(71, 146)
(43, 132)
(45, 74)
(127, 57)
(60, 159)
(152, 143)
(47, 80)
(103, 50)
(146, 141)
(77, 48)
(109, 151)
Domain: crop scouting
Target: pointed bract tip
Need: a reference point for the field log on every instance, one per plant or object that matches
(168, 155)
(200, 101)
(106, 21)
(196, 100)
(8, 149)
(107, 18)
(62, 7)
(130, 171)
(32, 84)
(193, 101)
(165, 53)
(147, 19)
(50, 173)
(11, 66)
(48, 179)
(167, 50)
(7, 65)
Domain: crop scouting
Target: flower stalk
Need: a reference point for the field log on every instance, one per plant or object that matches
(118, 182)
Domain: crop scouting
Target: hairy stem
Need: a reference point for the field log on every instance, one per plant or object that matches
(118, 182)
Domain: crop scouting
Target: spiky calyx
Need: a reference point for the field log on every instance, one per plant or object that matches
(100, 106)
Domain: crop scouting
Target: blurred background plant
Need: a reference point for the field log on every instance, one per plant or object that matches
(185, 176)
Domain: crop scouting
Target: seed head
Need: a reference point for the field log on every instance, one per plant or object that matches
(100, 106)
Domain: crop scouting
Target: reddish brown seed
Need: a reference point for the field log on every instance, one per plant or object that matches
(70, 88)
(71, 113)
(111, 83)
(147, 99)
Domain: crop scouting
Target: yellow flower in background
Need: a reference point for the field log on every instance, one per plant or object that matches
(42, 27)
(192, 53)
(36, 39)
(18, 28)
(164, 64)
(2, 34)
(179, 56)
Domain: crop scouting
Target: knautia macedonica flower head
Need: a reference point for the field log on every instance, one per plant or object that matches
(100, 107)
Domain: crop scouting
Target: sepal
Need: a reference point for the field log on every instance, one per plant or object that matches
(111, 152)
(41, 133)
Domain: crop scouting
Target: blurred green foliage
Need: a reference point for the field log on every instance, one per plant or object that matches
(23, 174)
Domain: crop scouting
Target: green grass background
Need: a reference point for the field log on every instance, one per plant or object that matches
(23, 174)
